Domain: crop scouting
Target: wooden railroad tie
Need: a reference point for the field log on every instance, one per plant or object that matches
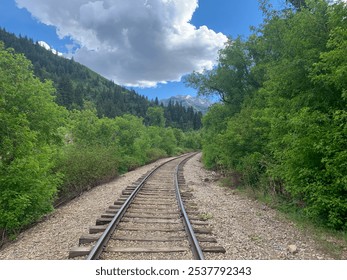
(147, 250)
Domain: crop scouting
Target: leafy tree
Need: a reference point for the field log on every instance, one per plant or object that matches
(65, 92)
(298, 4)
(29, 121)
(155, 116)
(281, 123)
(214, 126)
(232, 80)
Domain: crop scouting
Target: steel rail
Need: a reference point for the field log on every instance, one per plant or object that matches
(195, 247)
(105, 237)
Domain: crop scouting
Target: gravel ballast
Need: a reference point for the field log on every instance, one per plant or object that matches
(247, 229)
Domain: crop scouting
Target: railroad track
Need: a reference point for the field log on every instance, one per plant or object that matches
(154, 218)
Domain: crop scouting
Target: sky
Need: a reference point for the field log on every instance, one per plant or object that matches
(146, 45)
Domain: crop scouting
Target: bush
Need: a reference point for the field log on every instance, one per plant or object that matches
(153, 154)
(27, 191)
(85, 166)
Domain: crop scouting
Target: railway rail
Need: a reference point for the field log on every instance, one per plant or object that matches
(155, 218)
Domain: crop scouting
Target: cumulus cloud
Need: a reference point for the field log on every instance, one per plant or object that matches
(137, 42)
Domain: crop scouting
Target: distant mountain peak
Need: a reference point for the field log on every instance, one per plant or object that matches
(48, 48)
(199, 104)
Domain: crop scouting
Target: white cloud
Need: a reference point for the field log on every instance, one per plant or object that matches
(137, 42)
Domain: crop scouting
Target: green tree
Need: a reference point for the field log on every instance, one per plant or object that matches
(155, 116)
(232, 80)
(281, 124)
(214, 126)
(29, 125)
(298, 4)
(65, 92)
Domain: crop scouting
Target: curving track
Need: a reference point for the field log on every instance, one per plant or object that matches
(150, 221)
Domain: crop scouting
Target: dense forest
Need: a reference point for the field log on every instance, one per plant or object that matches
(50, 153)
(282, 125)
(77, 87)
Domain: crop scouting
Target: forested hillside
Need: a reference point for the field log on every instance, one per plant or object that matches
(282, 126)
(78, 87)
(49, 153)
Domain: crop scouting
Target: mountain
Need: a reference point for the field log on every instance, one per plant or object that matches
(48, 47)
(198, 104)
(76, 85)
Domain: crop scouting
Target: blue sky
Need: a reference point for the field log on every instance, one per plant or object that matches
(136, 55)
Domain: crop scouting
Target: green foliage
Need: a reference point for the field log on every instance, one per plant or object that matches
(29, 120)
(178, 116)
(191, 140)
(155, 116)
(84, 167)
(328, 186)
(231, 80)
(298, 4)
(27, 191)
(283, 121)
(163, 139)
(214, 126)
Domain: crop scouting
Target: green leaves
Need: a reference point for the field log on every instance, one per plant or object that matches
(331, 70)
(285, 129)
(28, 122)
(155, 116)
(232, 80)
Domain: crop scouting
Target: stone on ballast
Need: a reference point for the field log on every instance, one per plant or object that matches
(292, 249)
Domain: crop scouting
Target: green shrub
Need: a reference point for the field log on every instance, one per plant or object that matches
(153, 154)
(27, 191)
(85, 166)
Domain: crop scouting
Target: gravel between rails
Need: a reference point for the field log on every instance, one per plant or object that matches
(52, 238)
